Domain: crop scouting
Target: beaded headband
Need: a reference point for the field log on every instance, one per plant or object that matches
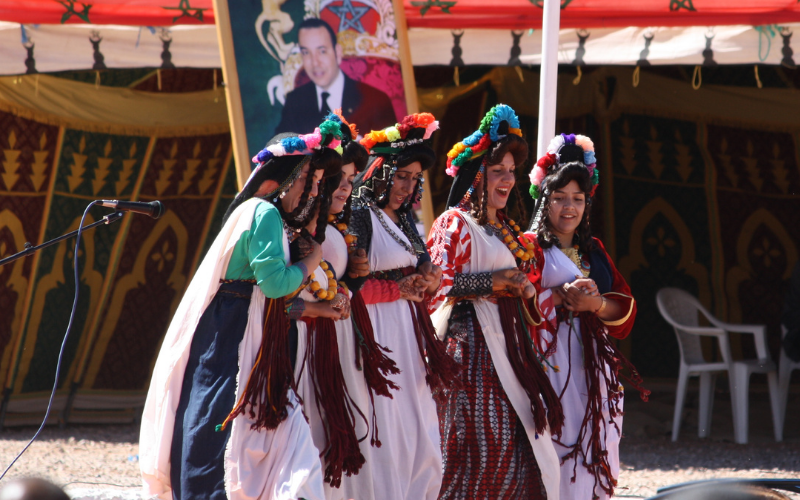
(478, 143)
(328, 134)
(553, 157)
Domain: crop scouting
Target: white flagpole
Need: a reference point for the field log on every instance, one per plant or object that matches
(548, 83)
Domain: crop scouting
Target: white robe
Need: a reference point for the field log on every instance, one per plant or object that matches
(281, 464)
(559, 269)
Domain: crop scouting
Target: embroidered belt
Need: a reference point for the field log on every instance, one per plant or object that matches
(392, 274)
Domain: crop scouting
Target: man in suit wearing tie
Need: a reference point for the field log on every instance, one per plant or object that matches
(330, 88)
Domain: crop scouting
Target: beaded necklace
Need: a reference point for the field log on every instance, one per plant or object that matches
(316, 290)
(503, 231)
(349, 239)
(574, 254)
(416, 248)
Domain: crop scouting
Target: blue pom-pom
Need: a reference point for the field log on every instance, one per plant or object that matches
(292, 144)
(264, 155)
(502, 113)
(589, 158)
(473, 139)
(333, 117)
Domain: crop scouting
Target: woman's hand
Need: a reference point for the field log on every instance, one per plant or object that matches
(314, 256)
(579, 297)
(411, 287)
(341, 303)
(513, 281)
(431, 277)
(321, 309)
(358, 264)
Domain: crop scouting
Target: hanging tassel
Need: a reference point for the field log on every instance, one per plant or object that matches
(758, 80)
(577, 79)
(158, 78)
(266, 395)
(636, 76)
(441, 370)
(697, 77)
(341, 453)
(528, 368)
(370, 359)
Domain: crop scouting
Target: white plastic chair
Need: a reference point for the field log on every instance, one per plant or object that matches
(681, 310)
(785, 369)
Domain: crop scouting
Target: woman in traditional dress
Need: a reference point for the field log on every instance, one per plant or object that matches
(586, 304)
(495, 428)
(408, 463)
(227, 347)
(337, 396)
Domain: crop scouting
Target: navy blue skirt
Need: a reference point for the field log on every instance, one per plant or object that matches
(208, 395)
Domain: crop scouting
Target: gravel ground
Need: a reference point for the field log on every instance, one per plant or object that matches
(101, 461)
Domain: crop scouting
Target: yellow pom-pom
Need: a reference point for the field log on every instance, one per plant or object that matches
(392, 134)
(314, 286)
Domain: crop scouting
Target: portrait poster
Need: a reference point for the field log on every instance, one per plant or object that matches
(288, 71)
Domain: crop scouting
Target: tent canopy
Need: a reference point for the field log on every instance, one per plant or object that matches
(443, 14)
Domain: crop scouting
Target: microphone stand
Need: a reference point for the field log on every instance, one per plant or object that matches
(30, 249)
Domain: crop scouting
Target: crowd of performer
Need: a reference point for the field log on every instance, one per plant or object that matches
(325, 350)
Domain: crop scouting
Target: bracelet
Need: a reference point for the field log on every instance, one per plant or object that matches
(304, 269)
(602, 305)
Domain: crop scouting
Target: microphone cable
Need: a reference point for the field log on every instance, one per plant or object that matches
(63, 343)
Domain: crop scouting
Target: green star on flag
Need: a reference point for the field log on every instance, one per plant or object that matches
(428, 4)
(185, 9)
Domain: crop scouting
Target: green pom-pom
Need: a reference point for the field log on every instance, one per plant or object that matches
(330, 127)
(595, 176)
(218, 428)
(534, 191)
(486, 123)
(463, 157)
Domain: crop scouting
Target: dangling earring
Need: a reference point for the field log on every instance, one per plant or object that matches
(283, 193)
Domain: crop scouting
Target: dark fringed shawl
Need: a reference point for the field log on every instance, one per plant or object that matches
(604, 365)
(372, 360)
(266, 395)
(528, 367)
(341, 453)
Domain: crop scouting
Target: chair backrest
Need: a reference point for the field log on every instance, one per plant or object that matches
(679, 309)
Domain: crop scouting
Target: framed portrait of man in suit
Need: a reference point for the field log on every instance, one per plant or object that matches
(289, 62)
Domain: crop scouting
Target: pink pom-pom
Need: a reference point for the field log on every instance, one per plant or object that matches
(255, 159)
(537, 175)
(312, 140)
(590, 167)
(451, 170)
(430, 129)
(335, 143)
(584, 142)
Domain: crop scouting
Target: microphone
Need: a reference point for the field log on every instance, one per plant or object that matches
(154, 209)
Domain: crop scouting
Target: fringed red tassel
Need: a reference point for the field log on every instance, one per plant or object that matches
(372, 360)
(442, 371)
(341, 453)
(528, 368)
(266, 395)
(603, 363)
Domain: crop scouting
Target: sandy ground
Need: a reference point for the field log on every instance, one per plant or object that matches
(101, 461)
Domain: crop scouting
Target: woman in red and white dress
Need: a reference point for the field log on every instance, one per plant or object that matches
(495, 427)
(586, 304)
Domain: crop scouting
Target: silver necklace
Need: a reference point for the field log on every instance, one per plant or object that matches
(412, 250)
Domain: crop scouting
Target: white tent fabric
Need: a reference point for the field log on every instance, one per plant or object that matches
(69, 47)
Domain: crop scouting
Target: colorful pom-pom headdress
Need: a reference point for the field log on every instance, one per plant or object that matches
(564, 148)
(328, 134)
(498, 123)
(388, 146)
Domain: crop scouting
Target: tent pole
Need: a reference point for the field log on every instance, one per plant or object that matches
(548, 84)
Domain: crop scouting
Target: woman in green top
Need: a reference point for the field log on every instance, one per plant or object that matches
(227, 346)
